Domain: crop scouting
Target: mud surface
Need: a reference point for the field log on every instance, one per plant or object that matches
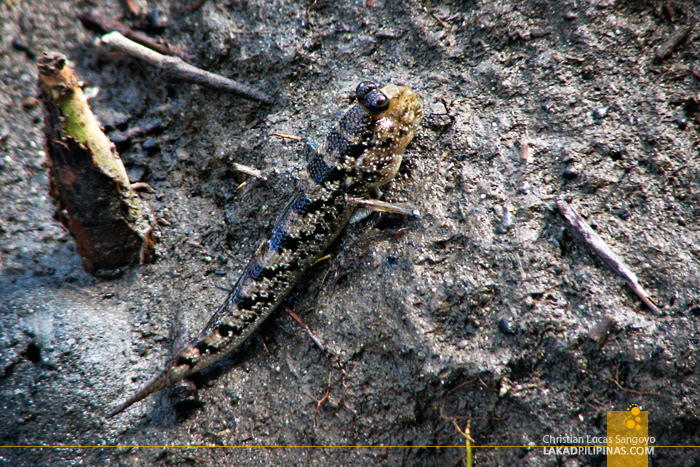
(479, 311)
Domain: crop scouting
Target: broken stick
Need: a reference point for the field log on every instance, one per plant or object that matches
(174, 68)
(98, 22)
(383, 206)
(111, 225)
(674, 40)
(248, 170)
(588, 236)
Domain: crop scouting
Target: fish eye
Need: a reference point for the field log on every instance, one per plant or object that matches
(364, 88)
(371, 98)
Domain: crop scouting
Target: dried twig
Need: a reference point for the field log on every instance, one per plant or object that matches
(616, 380)
(524, 148)
(322, 258)
(442, 23)
(130, 8)
(674, 40)
(383, 206)
(695, 72)
(282, 135)
(253, 172)
(175, 68)
(331, 267)
(588, 236)
(303, 324)
(324, 398)
(98, 22)
(387, 34)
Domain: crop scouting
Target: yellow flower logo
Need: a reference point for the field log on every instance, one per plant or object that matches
(633, 419)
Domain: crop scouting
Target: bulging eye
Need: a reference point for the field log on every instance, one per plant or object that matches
(371, 98)
(364, 88)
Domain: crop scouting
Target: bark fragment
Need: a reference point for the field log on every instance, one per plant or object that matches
(111, 225)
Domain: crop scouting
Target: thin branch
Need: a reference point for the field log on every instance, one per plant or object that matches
(303, 324)
(588, 236)
(383, 206)
(616, 380)
(525, 154)
(282, 135)
(675, 39)
(174, 68)
(324, 398)
(130, 8)
(100, 23)
(252, 171)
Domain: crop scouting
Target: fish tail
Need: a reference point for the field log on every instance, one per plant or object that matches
(174, 372)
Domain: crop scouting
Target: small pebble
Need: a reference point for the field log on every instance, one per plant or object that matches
(141, 349)
(135, 173)
(506, 222)
(622, 213)
(150, 144)
(681, 121)
(506, 326)
(600, 112)
(570, 173)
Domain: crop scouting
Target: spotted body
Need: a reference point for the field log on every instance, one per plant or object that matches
(363, 151)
